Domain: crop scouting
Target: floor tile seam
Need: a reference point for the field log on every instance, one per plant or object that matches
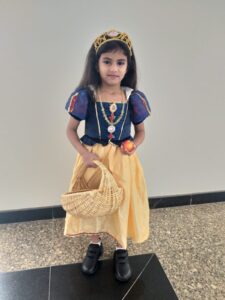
(145, 266)
(50, 262)
(49, 282)
(52, 240)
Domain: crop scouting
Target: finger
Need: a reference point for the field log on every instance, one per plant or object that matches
(92, 166)
(123, 151)
(132, 152)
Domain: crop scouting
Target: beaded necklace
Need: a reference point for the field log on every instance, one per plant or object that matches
(113, 107)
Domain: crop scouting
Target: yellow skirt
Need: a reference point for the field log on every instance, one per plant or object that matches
(131, 220)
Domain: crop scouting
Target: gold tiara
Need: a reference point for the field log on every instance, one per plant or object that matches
(112, 35)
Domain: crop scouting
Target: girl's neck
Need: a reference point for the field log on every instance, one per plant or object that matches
(110, 90)
(110, 95)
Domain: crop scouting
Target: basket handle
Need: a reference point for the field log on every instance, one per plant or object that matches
(105, 171)
(79, 180)
(83, 167)
(100, 165)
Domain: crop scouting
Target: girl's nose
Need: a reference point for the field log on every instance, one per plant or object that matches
(113, 67)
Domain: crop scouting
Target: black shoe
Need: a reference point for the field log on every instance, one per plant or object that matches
(90, 262)
(121, 265)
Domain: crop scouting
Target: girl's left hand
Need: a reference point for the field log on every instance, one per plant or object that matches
(125, 151)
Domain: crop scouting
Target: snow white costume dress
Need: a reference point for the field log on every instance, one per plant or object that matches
(103, 137)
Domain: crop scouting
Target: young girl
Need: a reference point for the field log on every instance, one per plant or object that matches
(108, 101)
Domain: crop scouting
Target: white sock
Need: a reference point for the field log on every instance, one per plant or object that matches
(120, 248)
(96, 243)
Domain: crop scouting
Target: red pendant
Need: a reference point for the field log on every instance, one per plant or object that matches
(110, 136)
(111, 118)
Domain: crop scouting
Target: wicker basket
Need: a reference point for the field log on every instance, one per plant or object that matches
(84, 202)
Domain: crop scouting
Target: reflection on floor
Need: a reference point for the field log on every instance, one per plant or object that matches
(188, 241)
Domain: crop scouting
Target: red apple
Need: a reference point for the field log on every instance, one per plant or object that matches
(128, 145)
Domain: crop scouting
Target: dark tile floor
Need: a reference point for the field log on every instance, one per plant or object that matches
(67, 282)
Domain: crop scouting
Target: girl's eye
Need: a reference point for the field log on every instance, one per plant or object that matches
(120, 63)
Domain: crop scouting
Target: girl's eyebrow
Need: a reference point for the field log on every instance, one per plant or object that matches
(121, 59)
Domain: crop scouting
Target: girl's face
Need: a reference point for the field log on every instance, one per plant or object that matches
(112, 67)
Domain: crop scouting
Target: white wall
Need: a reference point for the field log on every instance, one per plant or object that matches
(180, 51)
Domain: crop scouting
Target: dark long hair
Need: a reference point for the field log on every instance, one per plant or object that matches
(91, 76)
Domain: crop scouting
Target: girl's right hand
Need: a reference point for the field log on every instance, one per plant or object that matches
(88, 158)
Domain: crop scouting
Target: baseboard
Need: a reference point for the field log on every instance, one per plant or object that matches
(33, 214)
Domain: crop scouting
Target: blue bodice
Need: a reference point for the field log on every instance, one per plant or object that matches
(82, 106)
(99, 130)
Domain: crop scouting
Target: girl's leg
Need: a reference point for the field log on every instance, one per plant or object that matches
(95, 239)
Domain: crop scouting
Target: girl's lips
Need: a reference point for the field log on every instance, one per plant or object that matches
(114, 76)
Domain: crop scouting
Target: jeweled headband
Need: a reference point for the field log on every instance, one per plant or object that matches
(112, 35)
